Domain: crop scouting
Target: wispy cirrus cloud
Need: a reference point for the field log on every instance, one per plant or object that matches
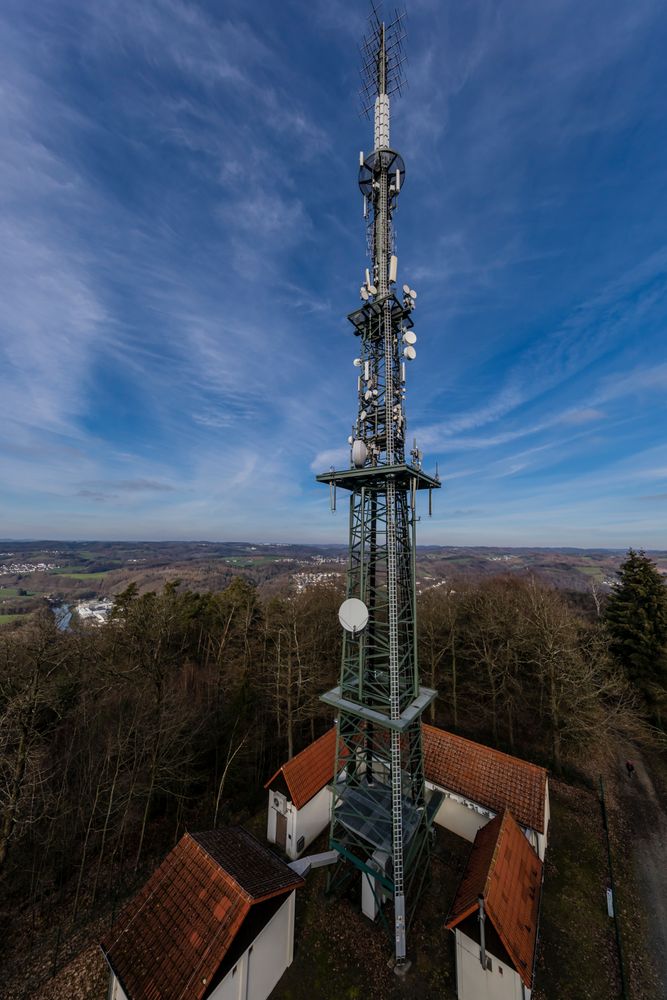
(181, 245)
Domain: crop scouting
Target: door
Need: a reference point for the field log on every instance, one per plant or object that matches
(281, 831)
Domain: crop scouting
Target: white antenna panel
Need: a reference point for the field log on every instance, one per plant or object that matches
(368, 278)
(398, 181)
(393, 268)
(361, 157)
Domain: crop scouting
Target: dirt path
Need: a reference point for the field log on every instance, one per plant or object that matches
(647, 818)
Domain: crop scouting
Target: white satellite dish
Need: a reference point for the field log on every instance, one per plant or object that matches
(406, 289)
(357, 362)
(363, 414)
(364, 293)
(413, 294)
(372, 289)
(410, 353)
(353, 615)
(359, 454)
(409, 337)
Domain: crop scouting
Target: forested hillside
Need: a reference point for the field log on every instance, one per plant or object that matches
(115, 739)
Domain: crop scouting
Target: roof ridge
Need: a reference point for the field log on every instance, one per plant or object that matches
(496, 850)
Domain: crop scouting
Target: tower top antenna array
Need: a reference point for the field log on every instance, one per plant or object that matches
(382, 58)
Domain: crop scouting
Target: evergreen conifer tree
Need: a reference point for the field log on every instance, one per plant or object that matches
(636, 618)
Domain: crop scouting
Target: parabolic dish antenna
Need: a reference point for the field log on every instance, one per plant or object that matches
(364, 293)
(413, 294)
(409, 353)
(353, 615)
(372, 289)
(406, 289)
(357, 362)
(410, 337)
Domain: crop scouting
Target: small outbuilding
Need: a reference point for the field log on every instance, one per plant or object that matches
(215, 920)
(495, 915)
(477, 783)
(299, 796)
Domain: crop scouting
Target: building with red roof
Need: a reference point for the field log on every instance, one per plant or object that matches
(479, 782)
(495, 914)
(475, 782)
(214, 922)
(299, 797)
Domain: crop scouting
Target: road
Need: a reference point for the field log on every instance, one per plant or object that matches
(648, 821)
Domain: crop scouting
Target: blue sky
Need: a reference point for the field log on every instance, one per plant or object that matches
(182, 240)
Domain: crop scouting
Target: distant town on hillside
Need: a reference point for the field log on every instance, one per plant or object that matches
(82, 575)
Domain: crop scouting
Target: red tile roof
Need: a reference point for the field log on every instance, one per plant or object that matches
(491, 778)
(505, 870)
(309, 771)
(170, 941)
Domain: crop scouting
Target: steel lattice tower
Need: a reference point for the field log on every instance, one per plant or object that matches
(381, 814)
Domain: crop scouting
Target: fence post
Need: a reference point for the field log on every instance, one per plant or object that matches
(619, 945)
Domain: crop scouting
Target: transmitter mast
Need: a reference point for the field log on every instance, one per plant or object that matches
(381, 814)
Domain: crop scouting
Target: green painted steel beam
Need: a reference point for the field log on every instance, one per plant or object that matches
(412, 712)
(382, 879)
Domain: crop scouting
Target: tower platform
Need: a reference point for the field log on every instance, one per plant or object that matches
(375, 476)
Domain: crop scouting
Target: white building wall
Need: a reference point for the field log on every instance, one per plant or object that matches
(271, 820)
(307, 822)
(464, 818)
(459, 816)
(500, 982)
(257, 972)
(116, 991)
(542, 837)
